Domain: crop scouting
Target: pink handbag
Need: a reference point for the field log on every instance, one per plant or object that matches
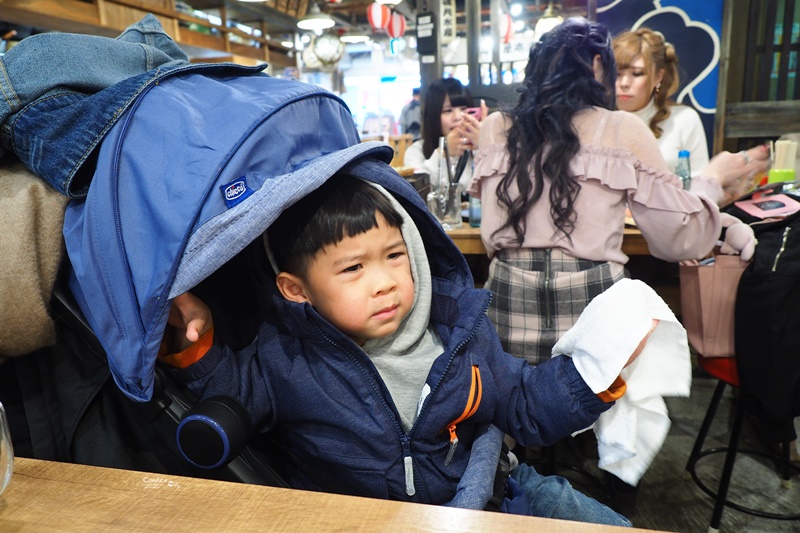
(708, 299)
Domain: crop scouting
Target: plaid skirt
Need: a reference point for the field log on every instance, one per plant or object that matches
(538, 295)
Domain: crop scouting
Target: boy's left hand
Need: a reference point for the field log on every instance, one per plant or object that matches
(642, 344)
(190, 318)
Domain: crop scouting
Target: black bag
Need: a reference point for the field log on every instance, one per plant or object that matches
(767, 319)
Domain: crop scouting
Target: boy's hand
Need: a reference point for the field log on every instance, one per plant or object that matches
(190, 318)
(642, 344)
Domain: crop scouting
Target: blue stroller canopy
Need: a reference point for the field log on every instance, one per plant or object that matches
(197, 168)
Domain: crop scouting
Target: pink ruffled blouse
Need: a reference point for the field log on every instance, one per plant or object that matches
(618, 165)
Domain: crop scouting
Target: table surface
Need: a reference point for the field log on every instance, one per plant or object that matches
(47, 496)
(468, 240)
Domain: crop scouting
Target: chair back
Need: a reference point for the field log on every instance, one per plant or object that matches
(399, 144)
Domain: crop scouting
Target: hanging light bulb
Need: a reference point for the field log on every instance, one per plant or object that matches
(550, 19)
(352, 37)
(315, 20)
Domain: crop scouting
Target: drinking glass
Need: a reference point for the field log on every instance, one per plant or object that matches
(6, 451)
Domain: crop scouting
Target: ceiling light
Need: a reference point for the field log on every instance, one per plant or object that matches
(315, 20)
(356, 37)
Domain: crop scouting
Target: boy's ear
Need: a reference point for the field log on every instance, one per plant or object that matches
(291, 287)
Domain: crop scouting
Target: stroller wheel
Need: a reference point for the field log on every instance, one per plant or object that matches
(213, 432)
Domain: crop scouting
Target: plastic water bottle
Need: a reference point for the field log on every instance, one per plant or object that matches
(684, 169)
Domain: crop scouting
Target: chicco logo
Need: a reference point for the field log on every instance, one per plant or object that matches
(235, 190)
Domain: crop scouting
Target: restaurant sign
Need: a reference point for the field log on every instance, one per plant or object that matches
(447, 16)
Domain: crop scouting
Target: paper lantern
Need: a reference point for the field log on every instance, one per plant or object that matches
(397, 26)
(378, 16)
(328, 48)
(507, 28)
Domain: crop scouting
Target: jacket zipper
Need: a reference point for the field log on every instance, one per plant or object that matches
(452, 356)
(548, 322)
(782, 248)
(473, 402)
(405, 440)
(408, 466)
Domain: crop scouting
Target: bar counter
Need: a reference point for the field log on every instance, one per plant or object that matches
(468, 240)
(45, 496)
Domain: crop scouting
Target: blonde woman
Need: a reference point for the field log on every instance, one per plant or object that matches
(647, 78)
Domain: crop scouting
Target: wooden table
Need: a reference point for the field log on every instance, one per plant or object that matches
(468, 240)
(45, 496)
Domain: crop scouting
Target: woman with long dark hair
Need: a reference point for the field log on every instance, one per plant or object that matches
(555, 175)
(444, 114)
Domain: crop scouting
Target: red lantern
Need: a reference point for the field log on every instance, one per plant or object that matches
(507, 28)
(397, 26)
(378, 16)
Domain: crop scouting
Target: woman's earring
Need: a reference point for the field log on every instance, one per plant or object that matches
(658, 88)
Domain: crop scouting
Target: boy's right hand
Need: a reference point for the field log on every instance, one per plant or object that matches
(189, 318)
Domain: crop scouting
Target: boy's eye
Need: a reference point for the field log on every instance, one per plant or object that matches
(353, 268)
(395, 255)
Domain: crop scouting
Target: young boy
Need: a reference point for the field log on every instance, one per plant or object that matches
(375, 377)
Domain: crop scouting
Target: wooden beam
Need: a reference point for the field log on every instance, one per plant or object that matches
(60, 15)
(761, 119)
(724, 76)
(109, 17)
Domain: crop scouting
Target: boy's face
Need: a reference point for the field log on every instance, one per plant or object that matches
(362, 284)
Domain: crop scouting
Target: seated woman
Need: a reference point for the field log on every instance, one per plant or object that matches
(555, 175)
(647, 78)
(444, 115)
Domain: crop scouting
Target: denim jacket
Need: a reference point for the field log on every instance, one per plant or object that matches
(62, 92)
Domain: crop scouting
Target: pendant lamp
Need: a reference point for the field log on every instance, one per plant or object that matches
(315, 19)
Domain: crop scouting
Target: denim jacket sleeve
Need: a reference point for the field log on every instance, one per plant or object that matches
(65, 91)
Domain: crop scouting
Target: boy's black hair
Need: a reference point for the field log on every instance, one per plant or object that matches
(344, 206)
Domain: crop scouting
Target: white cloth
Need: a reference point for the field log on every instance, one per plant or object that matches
(682, 130)
(605, 335)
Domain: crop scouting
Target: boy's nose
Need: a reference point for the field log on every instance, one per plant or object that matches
(384, 282)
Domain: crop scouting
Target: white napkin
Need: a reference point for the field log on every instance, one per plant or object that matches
(608, 331)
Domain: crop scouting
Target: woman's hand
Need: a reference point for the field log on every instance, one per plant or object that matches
(457, 143)
(736, 172)
(465, 135)
(471, 127)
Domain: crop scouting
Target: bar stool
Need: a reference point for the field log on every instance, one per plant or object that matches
(724, 369)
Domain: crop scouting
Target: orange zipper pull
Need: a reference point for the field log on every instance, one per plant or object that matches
(453, 444)
(473, 401)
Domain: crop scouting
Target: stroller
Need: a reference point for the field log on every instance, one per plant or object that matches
(184, 184)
